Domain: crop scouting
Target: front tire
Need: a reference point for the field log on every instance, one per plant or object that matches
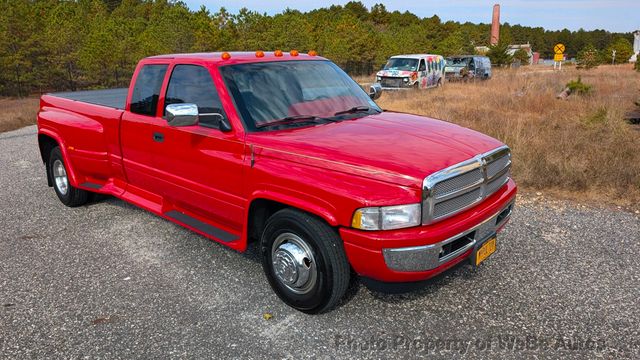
(57, 170)
(304, 261)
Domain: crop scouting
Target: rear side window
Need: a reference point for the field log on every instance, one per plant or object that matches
(146, 91)
(193, 84)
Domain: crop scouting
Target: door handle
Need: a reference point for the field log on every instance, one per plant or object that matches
(158, 137)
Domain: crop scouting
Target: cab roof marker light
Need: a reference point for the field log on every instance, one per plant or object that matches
(278, 53)
(312, 53)
(294, 53)
(259, 53)
(226, 56)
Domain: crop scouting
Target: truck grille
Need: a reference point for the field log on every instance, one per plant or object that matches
(391, 82)
(449, 191)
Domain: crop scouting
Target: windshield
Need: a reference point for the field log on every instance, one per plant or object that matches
(458, 61)
(401, 64)
(272, 95)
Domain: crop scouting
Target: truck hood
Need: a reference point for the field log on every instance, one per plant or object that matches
(392, 147)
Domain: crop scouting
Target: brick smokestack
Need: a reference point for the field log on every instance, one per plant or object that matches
(495, 25)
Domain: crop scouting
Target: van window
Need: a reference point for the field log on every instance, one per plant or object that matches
(193, 84)
(422, 67)
(146, 91)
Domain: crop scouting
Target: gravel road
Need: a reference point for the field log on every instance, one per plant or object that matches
(109, 280)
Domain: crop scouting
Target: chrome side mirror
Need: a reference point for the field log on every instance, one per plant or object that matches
(375, 91)
(182, 114)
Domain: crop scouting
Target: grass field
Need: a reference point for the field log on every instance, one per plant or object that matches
(17, 113)
(576, 148)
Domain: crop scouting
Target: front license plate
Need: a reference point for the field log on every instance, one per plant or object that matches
(485, 250)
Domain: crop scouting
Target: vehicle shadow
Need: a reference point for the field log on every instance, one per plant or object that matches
(412, 291)
(392, 295)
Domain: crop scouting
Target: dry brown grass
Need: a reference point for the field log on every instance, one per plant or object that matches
(580, 147)
(17, 113)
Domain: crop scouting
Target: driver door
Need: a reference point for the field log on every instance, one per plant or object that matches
(201, 165)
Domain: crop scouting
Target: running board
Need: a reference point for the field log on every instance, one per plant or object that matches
(91, 185)
(208, 229)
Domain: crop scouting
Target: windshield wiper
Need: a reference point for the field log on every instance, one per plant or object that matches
(353, 110)
(290, 120)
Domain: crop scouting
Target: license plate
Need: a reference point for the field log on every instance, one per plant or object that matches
(485, 250)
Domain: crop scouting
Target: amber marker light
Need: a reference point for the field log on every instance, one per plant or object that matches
(294, 53)
(312, 53)
(226, 56)
(259, 53)
(277, 53)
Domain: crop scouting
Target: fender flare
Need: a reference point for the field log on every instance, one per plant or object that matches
(311, 207)
(71, 174)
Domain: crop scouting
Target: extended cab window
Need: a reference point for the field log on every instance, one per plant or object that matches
(193, 84)
(146, 91)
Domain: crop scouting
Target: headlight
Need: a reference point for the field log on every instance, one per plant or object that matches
(378, 78)
(405, 79)
(387, 218)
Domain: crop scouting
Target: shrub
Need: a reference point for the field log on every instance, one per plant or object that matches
(578, 87)
(521, 56)
(588, 58)
(598, 117)
(499, 55)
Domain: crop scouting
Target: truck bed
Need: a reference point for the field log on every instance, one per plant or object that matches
(113, 98)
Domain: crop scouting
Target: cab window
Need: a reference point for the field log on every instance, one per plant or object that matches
(422, 67)
(146, 91)
(192, 84)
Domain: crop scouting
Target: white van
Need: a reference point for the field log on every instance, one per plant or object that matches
(416, 71)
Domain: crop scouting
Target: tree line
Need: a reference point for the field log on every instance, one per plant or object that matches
(50, 45)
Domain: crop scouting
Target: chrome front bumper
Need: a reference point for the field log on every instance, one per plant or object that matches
(427, 257)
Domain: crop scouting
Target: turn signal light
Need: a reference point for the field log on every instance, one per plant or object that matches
(259, 53)
(226, 56)
(277, 53)
(294, 53)
(312, 53)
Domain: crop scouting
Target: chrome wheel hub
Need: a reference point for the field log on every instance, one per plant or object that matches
(60, 177)
(293, 263)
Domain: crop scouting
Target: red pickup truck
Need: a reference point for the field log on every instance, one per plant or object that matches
(287, 150)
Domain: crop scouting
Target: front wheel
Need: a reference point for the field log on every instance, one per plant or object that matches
(304, 261)
(67, 193)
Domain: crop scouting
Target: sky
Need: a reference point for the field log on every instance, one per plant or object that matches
(612, 15)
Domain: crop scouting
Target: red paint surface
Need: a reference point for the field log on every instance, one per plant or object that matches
(328, 170)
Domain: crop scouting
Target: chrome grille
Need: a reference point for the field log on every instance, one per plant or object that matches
(452, 205)
(458, 187)
(497, 183)
(393, 82)
(454, 184)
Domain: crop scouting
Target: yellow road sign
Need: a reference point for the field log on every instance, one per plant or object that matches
(558, 49)
(558, 57)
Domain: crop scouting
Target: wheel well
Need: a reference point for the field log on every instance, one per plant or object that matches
(259, 212)
(46, 144)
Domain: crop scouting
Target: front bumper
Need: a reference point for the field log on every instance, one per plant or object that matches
(419, 253)
(428, 257)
